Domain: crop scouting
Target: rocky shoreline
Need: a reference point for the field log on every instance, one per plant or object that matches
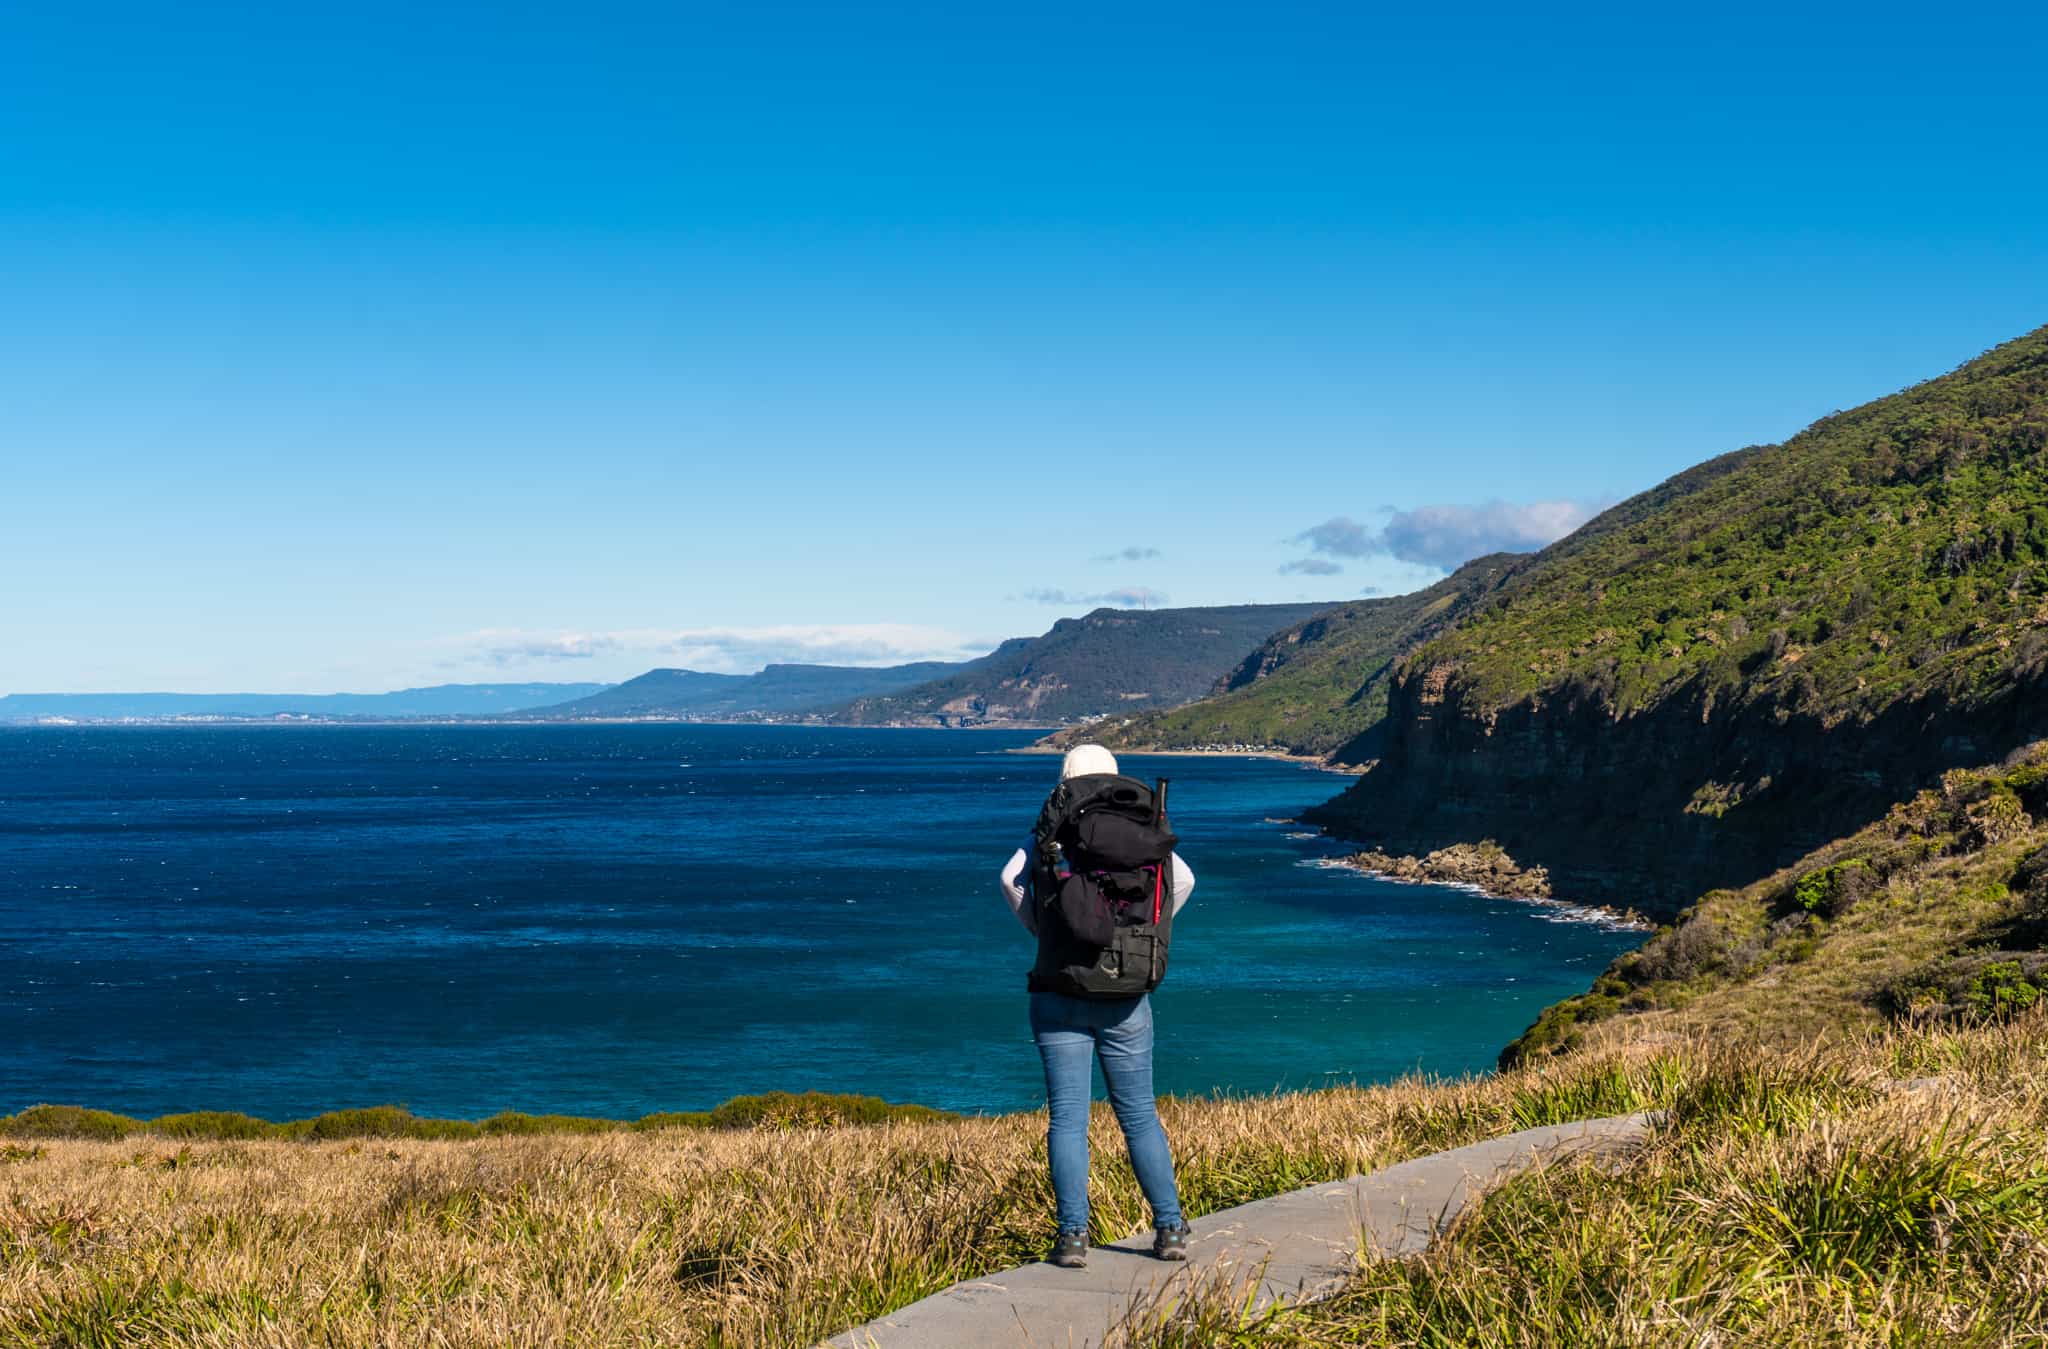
(1047, 746)
(1484, 866)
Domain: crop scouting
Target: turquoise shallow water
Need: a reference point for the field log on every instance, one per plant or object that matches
(616, 920)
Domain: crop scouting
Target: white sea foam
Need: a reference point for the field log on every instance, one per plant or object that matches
(1550, 910)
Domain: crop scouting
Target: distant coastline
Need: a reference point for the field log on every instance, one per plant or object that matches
(502, 720)
(1207, 752)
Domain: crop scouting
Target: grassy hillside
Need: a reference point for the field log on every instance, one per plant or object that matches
(1937, 911)
(1791, 1199)
(1883, 554)
(1882, 1192)
(1318, 687)
(1109, 661)
(1722, 674)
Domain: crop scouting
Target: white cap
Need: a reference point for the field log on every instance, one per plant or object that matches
(1086, 760)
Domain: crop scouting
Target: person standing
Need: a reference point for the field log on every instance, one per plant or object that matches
(1097, 885)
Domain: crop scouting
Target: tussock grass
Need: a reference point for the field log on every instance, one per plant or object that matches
(1803, 1198)
(1791, 1197)
(207, 1230)
(1938, 911)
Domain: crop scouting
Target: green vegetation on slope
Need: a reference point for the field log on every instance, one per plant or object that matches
(1105, 662)
(1801, 1199)
(1882, 554)
(1939, 910)
(1721, 674)
(1316, 688)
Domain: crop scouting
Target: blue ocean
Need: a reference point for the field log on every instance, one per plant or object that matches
(613, 920)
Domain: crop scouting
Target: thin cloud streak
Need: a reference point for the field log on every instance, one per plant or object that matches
(734, 650)
(1124, 597)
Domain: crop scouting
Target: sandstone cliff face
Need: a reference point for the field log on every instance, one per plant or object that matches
(1652, 809)
(1757, 656)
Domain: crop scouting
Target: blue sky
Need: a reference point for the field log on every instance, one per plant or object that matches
(362, 347)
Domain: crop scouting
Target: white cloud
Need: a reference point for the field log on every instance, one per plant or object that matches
(1124, 597)
(1340, 535)
(518, 648)
(1134, 553)
(1446, 536)
(1309, 566)
(732, 650)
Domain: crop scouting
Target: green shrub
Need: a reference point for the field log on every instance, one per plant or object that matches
(674, 1119)
(2001, 988)
(1832, 891)
(214, 1124)
(382, 1121)
(1979, 986)
(782, 1109)
(1558, 1029)
(68, 1121)
(778, 1109)
(515, 1122)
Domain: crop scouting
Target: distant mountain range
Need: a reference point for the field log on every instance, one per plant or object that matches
(777, 691)
(1111, 661)
(1107, 662)
(439, 700)
(1317, 687)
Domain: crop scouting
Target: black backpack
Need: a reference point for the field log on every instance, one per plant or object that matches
(1102, 887)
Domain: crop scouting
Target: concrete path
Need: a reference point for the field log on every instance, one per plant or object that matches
(1296, 1247)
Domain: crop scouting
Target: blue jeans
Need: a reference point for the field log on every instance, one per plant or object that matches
(1070, 1033)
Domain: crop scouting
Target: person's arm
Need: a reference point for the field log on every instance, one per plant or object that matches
(1183, 882)
(1012, 882)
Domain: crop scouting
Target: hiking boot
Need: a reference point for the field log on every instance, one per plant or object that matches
(1070, 1250)
(1171, 1243)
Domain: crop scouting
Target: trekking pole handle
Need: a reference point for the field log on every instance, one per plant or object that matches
(1159, 802)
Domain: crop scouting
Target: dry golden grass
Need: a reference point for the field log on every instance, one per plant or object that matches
(1793, 1199)
(1938, 909)
(690, 1237)
(1914, 919)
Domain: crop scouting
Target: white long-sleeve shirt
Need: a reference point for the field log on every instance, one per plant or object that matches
(1012, 882)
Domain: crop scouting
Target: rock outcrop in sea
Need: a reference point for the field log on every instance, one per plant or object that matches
(1484, 866)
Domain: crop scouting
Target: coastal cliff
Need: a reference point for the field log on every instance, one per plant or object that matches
(1647, 811)
(1758, 656)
